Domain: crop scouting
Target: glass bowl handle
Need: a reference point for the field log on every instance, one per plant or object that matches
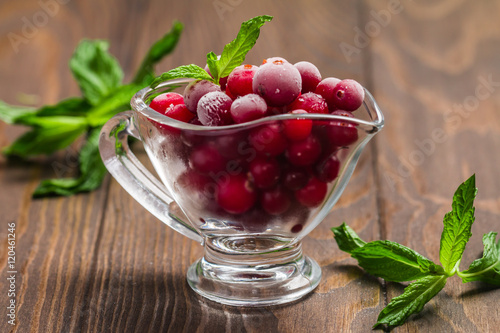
(134, 177)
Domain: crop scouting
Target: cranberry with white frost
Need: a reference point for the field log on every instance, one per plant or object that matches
(247, 108)
(195, 90)
(278, 82)
(213, 109)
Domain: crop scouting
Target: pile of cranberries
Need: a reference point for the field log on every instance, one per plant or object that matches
(274, 168)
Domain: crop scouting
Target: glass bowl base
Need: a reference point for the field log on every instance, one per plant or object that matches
(263, 283)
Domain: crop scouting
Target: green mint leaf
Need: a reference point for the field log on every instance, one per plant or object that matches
(11, 113)
(92, 172)
(457, 226)
(186, 71)
(76, 107)
(394, 262)
(48, 135)
(486, 269)
(235, 52)
(415, 296)
(96, 71)
(163, 47)
(117, 101)
(346, 238)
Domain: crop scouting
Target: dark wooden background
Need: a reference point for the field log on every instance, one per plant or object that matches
(99, 262)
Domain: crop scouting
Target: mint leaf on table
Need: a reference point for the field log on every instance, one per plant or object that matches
(457, 226)
(55, 127)
(11, 113)
(92, 172)
(486, 269)
(415, 296)
(95, 69)
(346, 238)
(186, 71)
(394, 262)
(162, 47)
(235, 52)
(48, 135)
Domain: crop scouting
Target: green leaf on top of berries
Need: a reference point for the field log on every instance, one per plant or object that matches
(232, 56)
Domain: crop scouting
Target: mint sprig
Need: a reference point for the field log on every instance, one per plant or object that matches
(232, 56)
(395, 262)
(55, 127)
(235, 52)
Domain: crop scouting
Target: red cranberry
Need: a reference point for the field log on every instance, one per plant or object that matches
(275, 201)
(180, 112)
(239, 82)
(195, 181)
(235, 195)
(206, 159)
(310, 75)
(166, 101)
(348, 95)
(325, 89)
(297, 129)
(313, 193)
(297, 228)
(305, 152)
(268, 139)
(265, 171)
(342, 133)
(311, 102)
(295, 178)
(328, 169)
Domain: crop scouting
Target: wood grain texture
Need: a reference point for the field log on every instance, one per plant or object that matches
(100, 263)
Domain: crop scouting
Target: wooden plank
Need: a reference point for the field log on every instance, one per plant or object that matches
(427, 59)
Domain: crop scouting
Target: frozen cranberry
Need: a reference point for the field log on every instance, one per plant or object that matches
(206, 159)
(166, 101)
(213, 109)
(328, 169)
(310, 75)
(305, 152)
(342, 132)
(274, 59)
(297, 129)
(195, 90)
(268, 139)
(265, 171)
(235, 195)
(325, 89)
(247, 108)
(278, 82)
(275, 201)
(348, 95)
(295, 178)
(196, 121)
(239, 82)
(312, 194)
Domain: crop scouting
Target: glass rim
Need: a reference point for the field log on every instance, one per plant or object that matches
(138, 104)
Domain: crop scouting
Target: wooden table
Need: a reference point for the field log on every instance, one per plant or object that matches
(99, 262)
